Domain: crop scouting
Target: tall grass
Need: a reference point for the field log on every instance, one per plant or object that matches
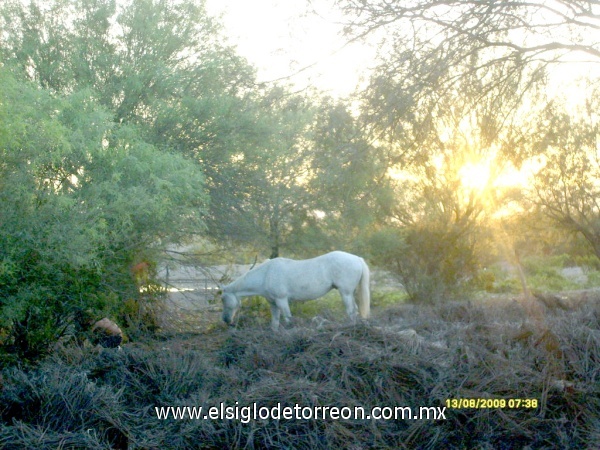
(407, 356)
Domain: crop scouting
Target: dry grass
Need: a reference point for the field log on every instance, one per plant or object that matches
(408, 356)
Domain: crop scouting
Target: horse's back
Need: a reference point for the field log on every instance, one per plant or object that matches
(312, 278)
(334, 259)
(340, 257)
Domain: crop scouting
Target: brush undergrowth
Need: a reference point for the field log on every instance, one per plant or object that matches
(407, 356)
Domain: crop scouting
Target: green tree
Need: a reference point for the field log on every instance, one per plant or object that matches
(155, 64)
(445, 187)
(433, 235)
(261, 187)
(306, 179)
(348, 175)
(82, 199)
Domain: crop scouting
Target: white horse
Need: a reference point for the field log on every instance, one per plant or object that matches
(282, 280)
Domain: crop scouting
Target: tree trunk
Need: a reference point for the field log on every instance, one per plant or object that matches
(274, 237)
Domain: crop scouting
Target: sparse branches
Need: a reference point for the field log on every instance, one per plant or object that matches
(431, 49)
(567, 189)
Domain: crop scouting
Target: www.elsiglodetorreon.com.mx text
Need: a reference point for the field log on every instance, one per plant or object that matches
(253, 411)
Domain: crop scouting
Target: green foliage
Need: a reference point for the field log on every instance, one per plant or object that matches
(160, 69)
(433, 265)
(96, 171)
(330, 305)
(83, 198)
(139, 313)
(593, 279)
(348, 175)
(543, 273)
(259, 193)
(590, 262)
(504, 282)
(438, 106)
(485, 280)
(255, 310)
(381, 300)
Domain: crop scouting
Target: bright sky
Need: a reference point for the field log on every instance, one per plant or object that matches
(282, 37)
(285, 38)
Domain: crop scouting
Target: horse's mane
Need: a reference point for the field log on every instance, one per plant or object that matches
(253, 271)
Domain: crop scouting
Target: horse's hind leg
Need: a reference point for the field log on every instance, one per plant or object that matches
(351, 308)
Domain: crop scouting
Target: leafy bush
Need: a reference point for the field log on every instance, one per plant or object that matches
(544, 273)
(593, 278)
(433, 265)
(507, 285)
(83, 200)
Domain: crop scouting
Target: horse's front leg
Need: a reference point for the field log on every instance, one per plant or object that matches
(275, 313)
(284, 307)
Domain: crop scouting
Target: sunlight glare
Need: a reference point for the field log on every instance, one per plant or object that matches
(522, 177)
(483, 174)
(475, 176)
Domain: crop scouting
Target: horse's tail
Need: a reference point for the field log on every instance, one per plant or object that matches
(363, 292)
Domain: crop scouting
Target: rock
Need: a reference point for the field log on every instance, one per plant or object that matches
(107, 333)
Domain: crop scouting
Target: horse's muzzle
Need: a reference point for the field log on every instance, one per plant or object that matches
(229, 320)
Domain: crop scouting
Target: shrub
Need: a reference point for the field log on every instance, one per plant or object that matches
(83, 199)
(433, 265)
(544, 273)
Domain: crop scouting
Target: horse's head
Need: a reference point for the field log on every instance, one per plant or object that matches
(231, 305)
